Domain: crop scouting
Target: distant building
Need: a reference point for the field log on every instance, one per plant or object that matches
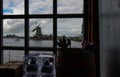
(38, 34)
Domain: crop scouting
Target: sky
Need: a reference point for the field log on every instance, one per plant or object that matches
(68, 26)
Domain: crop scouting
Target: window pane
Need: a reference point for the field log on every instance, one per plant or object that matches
(70, 6)
(40, 6)
(72, 29)
(41, 32)
(13, 32)
(13, 7)
(12, 55)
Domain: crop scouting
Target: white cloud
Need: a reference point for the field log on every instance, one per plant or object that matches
(69, 27)
(16, 6)
(6, 3)
(19, 9)
(70, 6)
(41, 6)
(13, 26)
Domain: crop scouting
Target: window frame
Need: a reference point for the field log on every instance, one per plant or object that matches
(26, 16)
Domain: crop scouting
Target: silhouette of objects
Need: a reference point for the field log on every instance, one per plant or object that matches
(46, 62)
(33, 60)
(69, 42)
(32, 67)
(62, 42)
(59, 43)
(88, 45)
(46, 68)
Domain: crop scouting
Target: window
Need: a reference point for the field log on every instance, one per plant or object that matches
(56, 18)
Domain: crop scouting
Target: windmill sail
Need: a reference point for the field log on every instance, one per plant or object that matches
(33, 29)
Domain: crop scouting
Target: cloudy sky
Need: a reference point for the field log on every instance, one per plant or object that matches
(68, 27)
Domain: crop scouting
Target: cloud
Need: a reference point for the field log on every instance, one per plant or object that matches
(41, 6)
(13, 26)
(44, 6)
(70, 6)
(68, 27)
(16, 6)
(19, 9)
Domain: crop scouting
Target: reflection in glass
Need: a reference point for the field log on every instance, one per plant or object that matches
(41, 32)
(40, 6)
(70, 29)
(12, 55)
(13, 32)
(70, 6)
(13, 7)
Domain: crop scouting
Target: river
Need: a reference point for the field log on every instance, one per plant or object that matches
(16, 55)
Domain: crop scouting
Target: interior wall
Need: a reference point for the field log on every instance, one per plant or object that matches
(109, 27)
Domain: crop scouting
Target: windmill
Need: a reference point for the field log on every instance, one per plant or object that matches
(38, 34)
(36, 26)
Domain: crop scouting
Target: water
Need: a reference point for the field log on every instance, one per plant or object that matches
(19, 54)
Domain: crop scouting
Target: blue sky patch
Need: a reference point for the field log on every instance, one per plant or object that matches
(8, 10)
